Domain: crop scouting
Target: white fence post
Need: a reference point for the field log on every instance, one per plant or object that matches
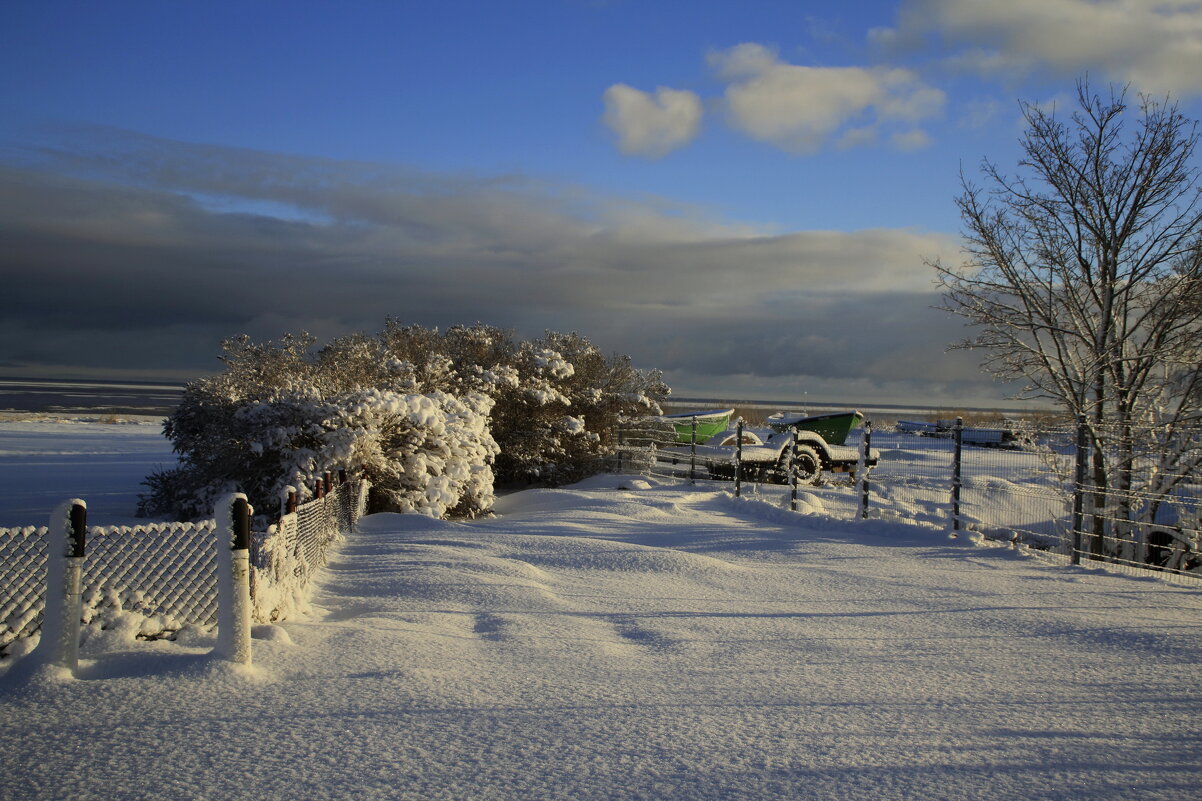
(233, 578)
(64, 578)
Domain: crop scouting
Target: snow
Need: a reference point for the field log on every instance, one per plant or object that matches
(627, 639)
(42, 460)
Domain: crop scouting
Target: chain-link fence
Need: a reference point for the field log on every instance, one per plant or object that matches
(166, 571)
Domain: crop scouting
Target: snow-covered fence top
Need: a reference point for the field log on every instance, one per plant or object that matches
(166, 572)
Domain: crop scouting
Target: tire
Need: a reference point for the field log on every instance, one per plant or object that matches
(722, 472)
(807, 464)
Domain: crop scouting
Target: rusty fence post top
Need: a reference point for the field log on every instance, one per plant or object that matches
(79, 529)
(240, 512)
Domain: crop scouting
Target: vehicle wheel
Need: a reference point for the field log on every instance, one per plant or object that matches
(807, 465)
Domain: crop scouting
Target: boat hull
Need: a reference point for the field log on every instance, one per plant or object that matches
(709, 424)
(834, 428)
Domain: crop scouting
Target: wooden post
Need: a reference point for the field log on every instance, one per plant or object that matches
(328, 480)
(289, 500)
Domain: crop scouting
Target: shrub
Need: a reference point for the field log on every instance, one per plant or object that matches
(430, 417)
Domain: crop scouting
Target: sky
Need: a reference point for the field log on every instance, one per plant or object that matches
(746, 196)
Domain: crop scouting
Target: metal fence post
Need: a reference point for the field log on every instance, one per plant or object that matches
(793, 472)
(956, 474)
(739, 458)
(863, 468)
(1079, 491)
(693, 454)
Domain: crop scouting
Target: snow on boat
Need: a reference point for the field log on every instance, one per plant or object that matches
(764, 455)
(709, 424)
(833, 427)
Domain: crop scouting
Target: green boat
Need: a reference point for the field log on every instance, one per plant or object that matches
(709, 424)
(833, 427)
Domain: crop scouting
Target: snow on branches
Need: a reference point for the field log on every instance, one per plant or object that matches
(433, 418)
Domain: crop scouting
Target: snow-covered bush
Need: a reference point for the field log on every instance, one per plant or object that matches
(430, 416)
(422, 453)
(557, 400)
(257, 429)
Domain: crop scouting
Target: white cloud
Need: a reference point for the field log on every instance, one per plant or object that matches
(979, 113)
(915, 139)
(1154, 44)
(802, 109)
(651, 125)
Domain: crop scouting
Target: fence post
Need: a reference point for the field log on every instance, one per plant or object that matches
(739, 458)
(328, 480)
(862, 468)
(693, 454)
(793, 471)
(63, 613)
(288, 498)
(233, 578)
(1079, 491)
(956, 475)
(319, 489)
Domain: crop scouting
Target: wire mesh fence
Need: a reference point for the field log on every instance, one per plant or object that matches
(166, 572)
(1129, 499)
(1141, 497)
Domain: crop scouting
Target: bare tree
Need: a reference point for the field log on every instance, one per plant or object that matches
(1083, 274)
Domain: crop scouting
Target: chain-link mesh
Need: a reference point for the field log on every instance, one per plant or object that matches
(22, 581)
(166, 569)
(167, 572)
(290, 552)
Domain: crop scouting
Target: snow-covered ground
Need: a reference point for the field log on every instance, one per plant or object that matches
(629, 640)
(46, 459)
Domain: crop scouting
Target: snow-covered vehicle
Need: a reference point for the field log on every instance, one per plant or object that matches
(765, 456)
(969, 435)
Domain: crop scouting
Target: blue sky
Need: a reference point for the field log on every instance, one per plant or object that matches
(740, 194)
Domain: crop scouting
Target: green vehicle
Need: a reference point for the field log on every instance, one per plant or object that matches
(833, 427)
(709, 424)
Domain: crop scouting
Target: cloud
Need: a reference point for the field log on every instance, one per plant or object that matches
(132, 253)
(915, 139)
(1154, 44)
(651, 125)
(802, 109)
